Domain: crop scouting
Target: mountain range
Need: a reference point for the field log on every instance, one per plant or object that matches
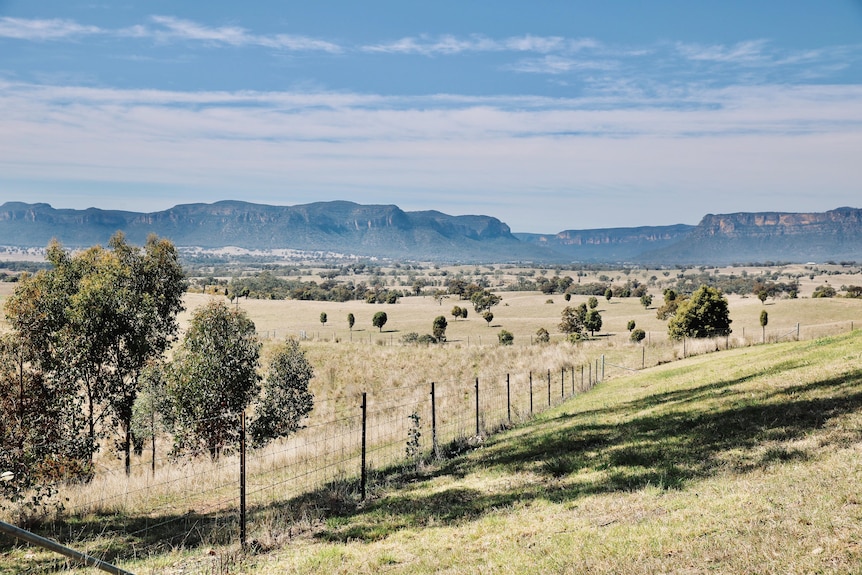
(387, 231)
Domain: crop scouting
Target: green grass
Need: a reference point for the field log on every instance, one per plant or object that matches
(746, 461)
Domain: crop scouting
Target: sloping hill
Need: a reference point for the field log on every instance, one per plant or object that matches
(745, 461)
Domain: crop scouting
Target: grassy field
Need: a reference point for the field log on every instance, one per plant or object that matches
(744, 461)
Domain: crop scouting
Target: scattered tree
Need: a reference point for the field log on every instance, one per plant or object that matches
(323, 318)
(705, 314)
(593, 321)
(350, 321)
(484, 300)
(572, 319)
(671, 303)
(609, 293)
(505, 337)
(593, 302)
(646, 300)
(630, 325)
(638, 335)
(764, 319)
(488, 317)
(438, 328)
(542, 335)
(456, 311)
(379, 320)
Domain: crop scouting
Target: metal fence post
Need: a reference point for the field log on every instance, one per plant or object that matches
(477, 407)
(242, 508)
(531, 393)
(549, 388)
(364, 476)
(434, 422)
(508, 398)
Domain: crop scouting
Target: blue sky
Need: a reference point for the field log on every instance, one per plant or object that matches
(548, 114)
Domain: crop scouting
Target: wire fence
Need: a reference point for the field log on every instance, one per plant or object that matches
(172, 500)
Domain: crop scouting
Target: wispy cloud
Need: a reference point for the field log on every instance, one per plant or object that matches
(170, 29)
(448, 44)
(41, 30)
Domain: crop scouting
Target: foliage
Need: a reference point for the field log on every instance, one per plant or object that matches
(488, 317)
(213, 378)
(630, 325)
(323, 317)
(351, 320)
(379, 320)
(542, 335)
(414, 433)
(764, 318)
(637, 335)
(439, 328)
(824, 291)
(646, 300)
(671, 303)
(705, 314)
(484, 300)
(609, 293)
(593, 321)
(505, 337)
(593, 302)
(572, 319)
(286, 399)
(456, 311)
(852, 291)
(95, 319)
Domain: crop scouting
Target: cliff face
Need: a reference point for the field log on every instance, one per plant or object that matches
(345, 227)
(769, 236)
(388, 231)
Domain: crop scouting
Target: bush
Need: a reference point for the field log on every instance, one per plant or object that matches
(505, 337)
(638, 335)
(542, 335)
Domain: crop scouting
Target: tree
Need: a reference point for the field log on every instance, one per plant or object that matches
(637, 335)
(542, 335)
(593, 303)
(609, 293)
(484, 300)
(505, 337)
(593, 321)
(464, 311)
(286, 399)
(488, 317)
(762, 295)
(764, 319)
(438, 329)
(323, 318)
(95, 319)
(572, 319)
(671, 303)
(705, 314)
(213, 378)
(456, 312)
(350, 321)
(646, 300)
(568, 296)
(379, 320)
(630, 325)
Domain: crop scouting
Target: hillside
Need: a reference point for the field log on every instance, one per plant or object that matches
(746, 461)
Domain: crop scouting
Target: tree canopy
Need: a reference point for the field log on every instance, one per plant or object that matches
(705, 314)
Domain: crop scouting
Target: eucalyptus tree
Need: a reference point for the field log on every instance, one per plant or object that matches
(213, 377)
(95, 319)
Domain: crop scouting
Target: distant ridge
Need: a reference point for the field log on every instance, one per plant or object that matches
(387, 231)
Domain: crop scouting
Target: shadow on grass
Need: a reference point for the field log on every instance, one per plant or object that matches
(622, 448)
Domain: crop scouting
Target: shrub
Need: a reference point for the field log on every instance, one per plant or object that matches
(505, 337)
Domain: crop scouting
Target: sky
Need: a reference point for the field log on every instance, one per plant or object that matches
(550, 115)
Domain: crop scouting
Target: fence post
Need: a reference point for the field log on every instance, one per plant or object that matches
(242, 516)
(434, 422)
(531, 393)
(549, 388)
(603, 367)
(643, 357)
(364, 475)
(797, 331)
(562, 383)
(573, 380)
(590, 378)
(508, 398)
(477, 407)
(582, 377)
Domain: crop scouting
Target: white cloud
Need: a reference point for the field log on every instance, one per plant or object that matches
(448, 44)
(52, 29)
